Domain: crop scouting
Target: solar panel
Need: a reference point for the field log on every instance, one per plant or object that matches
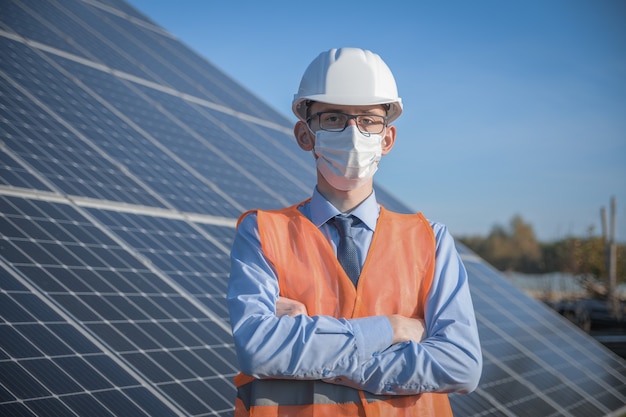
(126, 160)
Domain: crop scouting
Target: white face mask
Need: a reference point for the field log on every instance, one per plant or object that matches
(347, 159)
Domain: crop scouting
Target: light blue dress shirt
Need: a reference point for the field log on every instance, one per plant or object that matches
(353, 352)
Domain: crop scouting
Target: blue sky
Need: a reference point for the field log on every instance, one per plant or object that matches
(510, 107)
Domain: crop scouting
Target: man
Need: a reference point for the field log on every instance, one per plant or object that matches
(369, 319)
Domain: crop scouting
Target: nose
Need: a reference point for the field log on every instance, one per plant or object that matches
(351, 121)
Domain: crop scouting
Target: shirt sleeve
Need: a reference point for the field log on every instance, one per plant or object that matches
(449, 359)
(301, 347)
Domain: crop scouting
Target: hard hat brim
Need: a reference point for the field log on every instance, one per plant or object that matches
(300, 104)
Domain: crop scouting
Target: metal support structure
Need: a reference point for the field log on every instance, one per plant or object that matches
(608, 233)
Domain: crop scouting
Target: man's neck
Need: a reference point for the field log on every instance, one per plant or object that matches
(344, 201)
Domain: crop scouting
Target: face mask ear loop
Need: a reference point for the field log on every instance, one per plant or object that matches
(313, 152)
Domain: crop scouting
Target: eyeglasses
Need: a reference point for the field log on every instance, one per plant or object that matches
(367, 124)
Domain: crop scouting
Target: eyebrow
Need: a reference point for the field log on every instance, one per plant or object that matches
(369, 111)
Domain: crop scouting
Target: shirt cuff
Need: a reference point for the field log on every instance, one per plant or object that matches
(373, 335)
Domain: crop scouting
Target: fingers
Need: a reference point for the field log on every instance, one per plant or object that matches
(421, 324)
(289, 307)
(407, 329)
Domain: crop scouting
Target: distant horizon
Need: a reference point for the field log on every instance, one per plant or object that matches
(596, 232)
(509, 108)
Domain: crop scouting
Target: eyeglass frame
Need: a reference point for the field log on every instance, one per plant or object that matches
(349, 117)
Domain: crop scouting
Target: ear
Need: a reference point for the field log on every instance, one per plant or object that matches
(389, 139)
(304, 136)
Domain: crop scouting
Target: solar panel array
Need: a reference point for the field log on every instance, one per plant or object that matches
(126, 159)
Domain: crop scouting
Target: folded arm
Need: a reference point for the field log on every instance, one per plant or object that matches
(404, 328)
(274, 338)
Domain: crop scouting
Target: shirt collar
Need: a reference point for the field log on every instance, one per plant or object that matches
(322, 210)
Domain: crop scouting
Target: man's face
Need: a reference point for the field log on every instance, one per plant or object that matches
(305, 133)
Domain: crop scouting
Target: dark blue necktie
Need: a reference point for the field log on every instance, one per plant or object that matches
(347, 252)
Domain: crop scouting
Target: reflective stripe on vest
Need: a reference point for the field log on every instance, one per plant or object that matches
(275, 392)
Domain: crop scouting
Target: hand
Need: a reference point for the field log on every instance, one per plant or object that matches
(288, 307)
(406, 329)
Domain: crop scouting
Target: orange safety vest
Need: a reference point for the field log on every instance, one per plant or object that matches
(395, 279)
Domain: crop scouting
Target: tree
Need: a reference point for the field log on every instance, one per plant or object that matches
(528, 250)
(515, 248)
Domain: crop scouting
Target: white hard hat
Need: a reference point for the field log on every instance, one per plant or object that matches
(348, 76)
